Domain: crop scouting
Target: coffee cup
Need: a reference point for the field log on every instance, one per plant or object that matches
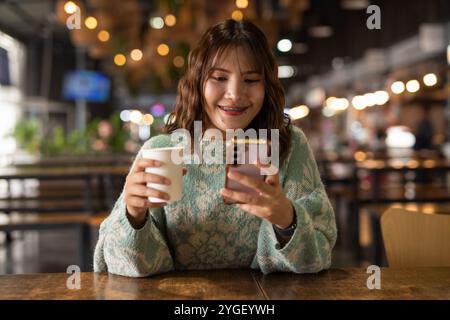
(171, 168)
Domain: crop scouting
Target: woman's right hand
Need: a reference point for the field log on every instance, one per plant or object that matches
(136, 192)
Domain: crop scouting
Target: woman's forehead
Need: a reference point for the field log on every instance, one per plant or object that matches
(236, 57)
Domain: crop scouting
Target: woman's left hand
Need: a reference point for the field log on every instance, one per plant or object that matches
(271, 203)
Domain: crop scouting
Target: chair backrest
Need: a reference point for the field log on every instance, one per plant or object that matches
(416, 239)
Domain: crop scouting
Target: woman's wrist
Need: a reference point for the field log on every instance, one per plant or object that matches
(290, 229)
(289, 220)
(137, 221)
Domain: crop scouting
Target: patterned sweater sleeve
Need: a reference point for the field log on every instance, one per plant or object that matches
(125, 251)
(309, 248)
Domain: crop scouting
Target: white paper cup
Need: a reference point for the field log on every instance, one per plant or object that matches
(169, 169)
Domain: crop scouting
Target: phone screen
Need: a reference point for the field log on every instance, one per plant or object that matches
(244, 154)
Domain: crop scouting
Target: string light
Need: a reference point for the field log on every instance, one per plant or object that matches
(359, 103)
(298, 112)
(398, 87)
(284, 45)
(91, 23)
(381, 97)
(170, 20)
(136, 54)
(163, 49)
(370, 99)
(157, 23)
(412, 86)
(242, 4)
(237, 15)
(103, 36)
(430, 79)
(70, 7)
(120, 59)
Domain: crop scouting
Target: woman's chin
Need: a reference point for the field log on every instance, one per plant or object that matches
(233, 126)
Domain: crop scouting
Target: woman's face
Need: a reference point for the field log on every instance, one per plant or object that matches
(234, 91)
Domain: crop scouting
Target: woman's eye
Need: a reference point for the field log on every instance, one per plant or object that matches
(251, 80)
(219, 78)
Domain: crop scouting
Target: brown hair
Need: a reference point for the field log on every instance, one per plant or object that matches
(190, 103)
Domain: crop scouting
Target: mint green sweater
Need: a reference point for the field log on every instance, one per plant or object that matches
(201, 232)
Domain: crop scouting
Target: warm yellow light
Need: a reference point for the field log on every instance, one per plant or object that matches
(360, 156)
(103, 36)
(70, 7)
(429, 208)
(136, 54)
(398, 87)
(242, 4)
(120, 59)
(178, 61)
(298, 112)
(163, 49)
(381, 97)
(237, 15)
(412, 86)
(337, 104)
(370, 99)
(170, 20)
(91, 23)
(430, 79)
(412, 164)
(136, 116)
(328, 112)
(359, 103)
(429, 163)
(330, 101)
(147, 119)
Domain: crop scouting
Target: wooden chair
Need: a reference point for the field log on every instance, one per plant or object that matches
(416, 239)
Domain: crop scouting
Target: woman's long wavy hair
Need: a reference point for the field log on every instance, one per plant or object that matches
(190, 102)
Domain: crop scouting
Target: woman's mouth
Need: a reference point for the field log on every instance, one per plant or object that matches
(233, 110)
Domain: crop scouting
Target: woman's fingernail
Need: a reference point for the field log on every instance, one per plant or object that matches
(167, 197)
(167, 181)
(225, 192)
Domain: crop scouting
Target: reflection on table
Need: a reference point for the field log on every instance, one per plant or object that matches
(414, 283)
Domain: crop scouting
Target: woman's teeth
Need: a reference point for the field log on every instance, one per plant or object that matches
(232, 108)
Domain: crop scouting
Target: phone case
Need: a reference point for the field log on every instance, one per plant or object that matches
(245, 168)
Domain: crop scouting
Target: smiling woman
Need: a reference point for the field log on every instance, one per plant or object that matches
(286, 223)
(234, 92)
(232, 67)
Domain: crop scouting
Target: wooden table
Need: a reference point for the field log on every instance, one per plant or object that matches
(415, 283)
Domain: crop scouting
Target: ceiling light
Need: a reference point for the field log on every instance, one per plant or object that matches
(284, 45)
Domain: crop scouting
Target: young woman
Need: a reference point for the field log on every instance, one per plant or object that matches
(287, 225)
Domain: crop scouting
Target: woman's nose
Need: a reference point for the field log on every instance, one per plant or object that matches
(235, 90)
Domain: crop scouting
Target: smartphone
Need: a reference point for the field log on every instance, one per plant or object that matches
(241, 155)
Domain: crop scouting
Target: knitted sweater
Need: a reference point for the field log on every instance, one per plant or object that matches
(201, 232)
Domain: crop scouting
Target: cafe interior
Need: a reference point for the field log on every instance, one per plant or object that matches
(84, 83)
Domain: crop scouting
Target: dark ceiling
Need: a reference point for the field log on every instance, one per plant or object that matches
(30, 20)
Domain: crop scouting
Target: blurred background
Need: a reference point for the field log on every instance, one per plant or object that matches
(84, 83)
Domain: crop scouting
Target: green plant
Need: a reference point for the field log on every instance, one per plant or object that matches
(119, 137)
(27, 134)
